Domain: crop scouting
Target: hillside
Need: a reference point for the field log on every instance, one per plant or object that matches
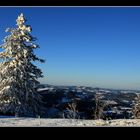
(80, 102)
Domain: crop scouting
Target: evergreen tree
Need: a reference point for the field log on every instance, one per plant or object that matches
(18, 74)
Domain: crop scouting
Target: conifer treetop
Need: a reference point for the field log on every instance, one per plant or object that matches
(20, 23)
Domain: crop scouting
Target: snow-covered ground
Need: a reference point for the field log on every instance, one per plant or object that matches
(32, 122)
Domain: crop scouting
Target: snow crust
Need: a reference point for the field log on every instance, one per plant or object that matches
(37, 122)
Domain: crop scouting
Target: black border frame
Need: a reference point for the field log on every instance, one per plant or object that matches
(68, 132)
(69, 3)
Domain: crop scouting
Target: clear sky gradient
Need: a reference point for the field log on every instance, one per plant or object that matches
(90, 46)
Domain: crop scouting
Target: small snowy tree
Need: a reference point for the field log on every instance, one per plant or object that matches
(18, 74)
(136, 107)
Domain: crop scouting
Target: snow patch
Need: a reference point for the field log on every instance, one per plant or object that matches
(37, 122)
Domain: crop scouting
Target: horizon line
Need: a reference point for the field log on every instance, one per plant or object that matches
(91, 87)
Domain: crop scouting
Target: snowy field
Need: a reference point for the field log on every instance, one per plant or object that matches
(32, 122)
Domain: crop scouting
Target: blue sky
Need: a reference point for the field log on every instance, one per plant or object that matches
(91, 46)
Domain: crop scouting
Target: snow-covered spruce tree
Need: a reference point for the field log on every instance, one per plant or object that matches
(18, 74)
